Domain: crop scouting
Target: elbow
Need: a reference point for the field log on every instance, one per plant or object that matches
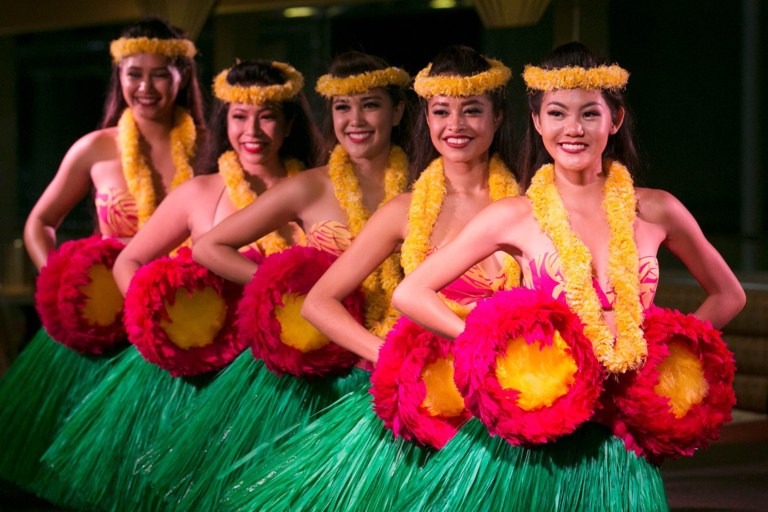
(739, 299)
(399, 301)
(309, 307)
(200, 251)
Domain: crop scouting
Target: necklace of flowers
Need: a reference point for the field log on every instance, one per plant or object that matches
(379, 286)
(135, 169)
(241, 194)
(628, 350)
(426, 202)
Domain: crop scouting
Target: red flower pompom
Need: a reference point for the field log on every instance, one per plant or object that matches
(692, 358)
(77, 298)
(428, 413)
(276, 293)
(537, 347)
(181, 316)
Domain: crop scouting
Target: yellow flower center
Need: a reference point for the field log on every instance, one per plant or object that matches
(540, 373)
(104, 301)
(297, 332)
(681, 379)
(443, 398)
(195, 318)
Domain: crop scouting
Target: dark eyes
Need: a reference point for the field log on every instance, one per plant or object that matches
(340, 107)
(588, 114)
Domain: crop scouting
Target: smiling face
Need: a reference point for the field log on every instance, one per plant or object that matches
(256, 132)
(363, 122)
(462, 129)
(574, 125)
(150, 85)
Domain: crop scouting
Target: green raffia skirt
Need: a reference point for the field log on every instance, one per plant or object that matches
(96, 451)
(37, 394)
(242, 416)
(347, 461)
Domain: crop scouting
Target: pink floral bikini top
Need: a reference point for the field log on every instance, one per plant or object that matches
(117, 212)
(334, 237)
(544, 273)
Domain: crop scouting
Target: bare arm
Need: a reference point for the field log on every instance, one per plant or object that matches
(218, 249)
(416, 297)
(164, 231)
(323, 308)
(71, 183)
(686, 241)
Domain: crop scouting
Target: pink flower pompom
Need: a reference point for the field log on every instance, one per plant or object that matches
(527, 316)
(399, 390)
(646, 420)
(291, 272)
(159, 283)
(65, 293)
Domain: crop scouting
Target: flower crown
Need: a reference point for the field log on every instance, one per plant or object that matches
(127, 46)
(259, 94)
(330, 86)
(571, 77)
(462, 86)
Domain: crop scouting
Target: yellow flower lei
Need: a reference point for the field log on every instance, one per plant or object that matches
(135, 170)
(241, 195)
(379, 286)
(571, 77)
(259, 94)
(426, 203)
(462, 86)
(127, 46)
(619, 204)
(330, 86)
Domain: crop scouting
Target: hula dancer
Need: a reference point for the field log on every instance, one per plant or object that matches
(462, 149)
(248, 407)
(153, 102)
(179, 316)
(586, 238)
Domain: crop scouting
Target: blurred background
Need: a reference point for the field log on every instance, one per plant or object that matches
(695, 88)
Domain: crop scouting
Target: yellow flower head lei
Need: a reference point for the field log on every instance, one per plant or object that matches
(330, 86)
(427, 86)
(259, 94)
(379, 286)
(426, 202)
(127, 46)
(572, 77)
(241, 195)
(135, 169)
(619, 203)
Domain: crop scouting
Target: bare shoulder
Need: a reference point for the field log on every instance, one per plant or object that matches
(509, 210)
(97, 145)
(658, 206)
(199, 188)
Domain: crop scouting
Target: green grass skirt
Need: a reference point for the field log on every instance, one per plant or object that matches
(347, 461)
(37, 393)
(588, 470)
(242, 416)
(96, 451)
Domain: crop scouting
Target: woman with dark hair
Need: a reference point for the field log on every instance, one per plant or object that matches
(143, 150)
(462, 148)
(257, 138)
(247, 407)
(261, 134)
(586, 240)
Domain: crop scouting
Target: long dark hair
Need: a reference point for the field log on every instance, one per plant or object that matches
(461, 61)
(356, 63)
(189, 97)
(303, 143)
(620, 146)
